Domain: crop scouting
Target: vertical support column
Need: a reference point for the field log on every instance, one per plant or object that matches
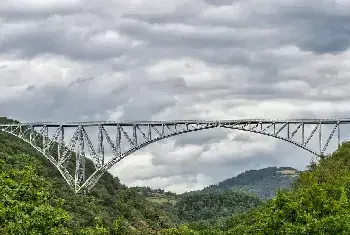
(80, 160)
(60, 144)
(274, 128)
(45, 137)
(118, 140)
(162, 133)
(320, 137)
(82, 154)
(149, 132)
(338, 134)
(288, 129)
(302, 133)
(134, 134)
(100, 149)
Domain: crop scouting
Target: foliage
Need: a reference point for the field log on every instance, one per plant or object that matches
(214, 205)
(263, 182)
(34, 199)
(149, 192)
(99, 229)
(24, 203)
(107, 201)
(318, 204)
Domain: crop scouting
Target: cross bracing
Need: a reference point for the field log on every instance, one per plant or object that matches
(93, 139)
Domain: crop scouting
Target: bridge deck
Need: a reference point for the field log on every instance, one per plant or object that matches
(145, 123)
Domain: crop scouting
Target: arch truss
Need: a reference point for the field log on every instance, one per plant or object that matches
(67, 145)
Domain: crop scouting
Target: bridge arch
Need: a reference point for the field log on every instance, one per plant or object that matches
(142, 134)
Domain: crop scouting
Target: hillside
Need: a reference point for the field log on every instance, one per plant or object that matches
(318, 204)
(108, 200)
(231, 196)
(34, 199)
(213, 205)
(27, 178)
(158, 196)
(263, 183)
(201, 205)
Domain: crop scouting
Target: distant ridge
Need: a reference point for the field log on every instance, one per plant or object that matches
(263, 182)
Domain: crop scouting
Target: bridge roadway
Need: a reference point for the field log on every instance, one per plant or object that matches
(159, 123)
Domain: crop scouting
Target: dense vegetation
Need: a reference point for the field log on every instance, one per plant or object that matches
(214, 205)
(318, 204)
(228, 197)
(201, 206)
(263, 182)
(34, 199)
(31, 183)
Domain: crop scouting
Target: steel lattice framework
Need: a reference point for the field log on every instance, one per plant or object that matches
(132, 136)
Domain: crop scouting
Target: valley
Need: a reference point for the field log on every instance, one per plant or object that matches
(228, 207)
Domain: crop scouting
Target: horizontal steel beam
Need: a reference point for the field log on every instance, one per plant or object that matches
(159, 123)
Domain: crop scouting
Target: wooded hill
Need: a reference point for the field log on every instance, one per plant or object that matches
(263, 183)
(231, 196)
(318, 204)
(34, 199)
(110, 208)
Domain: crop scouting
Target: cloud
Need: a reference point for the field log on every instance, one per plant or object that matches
(18, 8)
(166, 60)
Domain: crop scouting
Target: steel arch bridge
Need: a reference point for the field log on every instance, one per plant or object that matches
(134, 135)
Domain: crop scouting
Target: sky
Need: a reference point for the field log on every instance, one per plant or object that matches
(79, 60)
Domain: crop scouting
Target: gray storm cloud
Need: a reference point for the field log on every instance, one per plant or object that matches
(205, 59)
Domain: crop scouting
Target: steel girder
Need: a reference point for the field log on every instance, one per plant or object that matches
(132, 136)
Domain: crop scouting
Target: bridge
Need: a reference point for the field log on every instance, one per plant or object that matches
(50, 138)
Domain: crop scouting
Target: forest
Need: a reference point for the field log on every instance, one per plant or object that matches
(262, 182)
(34, 199)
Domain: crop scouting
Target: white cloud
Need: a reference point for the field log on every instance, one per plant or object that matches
(235, 13)
(232, 151)
(293, 86)
(40, 6)
(198, 59)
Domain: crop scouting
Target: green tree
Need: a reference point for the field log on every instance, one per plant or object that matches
(99, 229)
(120, 227)
(183, 230)
(319, 203)
(24, 205)
(320, 209)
